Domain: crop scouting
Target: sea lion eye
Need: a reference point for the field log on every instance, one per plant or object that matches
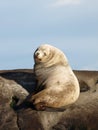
(45, 54)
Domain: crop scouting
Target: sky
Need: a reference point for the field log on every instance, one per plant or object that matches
(70, 25)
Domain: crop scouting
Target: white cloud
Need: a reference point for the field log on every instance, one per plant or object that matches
(60, 3)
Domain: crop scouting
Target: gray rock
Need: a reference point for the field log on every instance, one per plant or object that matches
(10, 89)
(82, 115)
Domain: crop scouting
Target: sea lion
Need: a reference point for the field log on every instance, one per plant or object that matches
(57, 86)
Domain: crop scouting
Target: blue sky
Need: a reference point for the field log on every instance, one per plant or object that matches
(70, 25)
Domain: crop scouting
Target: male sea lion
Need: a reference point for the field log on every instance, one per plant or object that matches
(57, 85)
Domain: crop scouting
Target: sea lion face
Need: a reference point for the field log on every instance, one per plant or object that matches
(42, 54)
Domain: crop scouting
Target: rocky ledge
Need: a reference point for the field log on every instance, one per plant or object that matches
(16, 85)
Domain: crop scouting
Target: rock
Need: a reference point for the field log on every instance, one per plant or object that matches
(10, 89)
(82, 115)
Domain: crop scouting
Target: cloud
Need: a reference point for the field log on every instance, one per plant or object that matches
(60, 3)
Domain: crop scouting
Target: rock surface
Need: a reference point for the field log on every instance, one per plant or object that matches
(15, 85)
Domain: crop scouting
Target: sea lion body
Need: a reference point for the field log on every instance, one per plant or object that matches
(57, 85)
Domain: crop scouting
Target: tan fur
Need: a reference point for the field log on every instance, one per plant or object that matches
(57, 85)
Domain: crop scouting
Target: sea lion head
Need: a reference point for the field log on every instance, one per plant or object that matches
(49, 55)
(42, 53)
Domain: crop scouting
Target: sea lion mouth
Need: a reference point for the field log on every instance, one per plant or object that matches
(38, 59)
